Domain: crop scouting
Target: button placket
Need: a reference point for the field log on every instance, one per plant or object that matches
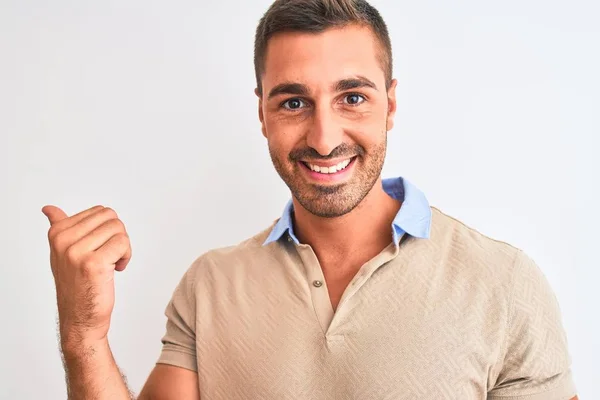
(318, 288)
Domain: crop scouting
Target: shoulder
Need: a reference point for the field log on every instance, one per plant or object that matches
(472, 255)
(474, 259)
(247, 252)
(455, 236)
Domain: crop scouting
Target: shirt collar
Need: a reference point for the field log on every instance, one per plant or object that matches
(414, 216)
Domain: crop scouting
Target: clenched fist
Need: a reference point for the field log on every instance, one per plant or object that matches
(85, 251)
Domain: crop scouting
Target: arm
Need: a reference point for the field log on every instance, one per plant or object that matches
(175, 375)
(167, 382)
(535, 363)
(91, 373)
(85, 251)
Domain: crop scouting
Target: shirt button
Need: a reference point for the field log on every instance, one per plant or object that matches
(317, 283)
(289, 238)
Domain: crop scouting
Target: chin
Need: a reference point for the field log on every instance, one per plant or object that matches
(327, 201)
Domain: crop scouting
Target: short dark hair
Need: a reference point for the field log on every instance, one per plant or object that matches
(316, 16)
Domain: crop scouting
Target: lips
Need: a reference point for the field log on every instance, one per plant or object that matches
(329, 169)
(332, 175)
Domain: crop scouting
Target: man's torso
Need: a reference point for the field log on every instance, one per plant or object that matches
(424, 320)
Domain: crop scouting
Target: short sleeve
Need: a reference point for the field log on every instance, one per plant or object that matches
(179, 340)
(536, 364)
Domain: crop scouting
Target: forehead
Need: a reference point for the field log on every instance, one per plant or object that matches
(318, 59)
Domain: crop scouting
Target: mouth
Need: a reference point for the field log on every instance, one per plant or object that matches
(328, 172)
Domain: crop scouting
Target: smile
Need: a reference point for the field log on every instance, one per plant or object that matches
(329, 169)
(327, 172)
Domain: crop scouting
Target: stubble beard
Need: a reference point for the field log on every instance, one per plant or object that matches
(331, 201)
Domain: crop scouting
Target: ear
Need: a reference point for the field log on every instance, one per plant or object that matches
(261, 116)
(391, 95)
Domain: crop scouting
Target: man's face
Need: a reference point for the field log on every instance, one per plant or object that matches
(325, 113)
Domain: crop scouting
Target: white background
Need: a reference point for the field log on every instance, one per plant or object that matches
(148, 107)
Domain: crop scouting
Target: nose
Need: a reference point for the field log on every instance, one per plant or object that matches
(324, 133)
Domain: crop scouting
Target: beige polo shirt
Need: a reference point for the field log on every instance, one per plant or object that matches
(456, 315)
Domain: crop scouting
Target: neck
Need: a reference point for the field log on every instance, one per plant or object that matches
(361, 233)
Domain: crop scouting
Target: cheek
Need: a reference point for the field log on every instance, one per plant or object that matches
(368, 125)
(282, 132)
(370, 136)
(278, 142)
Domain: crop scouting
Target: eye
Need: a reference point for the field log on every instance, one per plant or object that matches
(293, 104)
(354, 99)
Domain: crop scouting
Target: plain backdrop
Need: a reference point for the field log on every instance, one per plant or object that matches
(148, 107)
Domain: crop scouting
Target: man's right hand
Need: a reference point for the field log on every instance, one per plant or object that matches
(85, 251)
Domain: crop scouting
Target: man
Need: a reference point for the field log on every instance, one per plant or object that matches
(360, 290)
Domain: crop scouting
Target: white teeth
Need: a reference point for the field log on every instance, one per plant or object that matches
(330, 170)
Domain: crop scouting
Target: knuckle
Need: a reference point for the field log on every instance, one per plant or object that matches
(89, 263)
(116, 224)
(60, 241)
(71, 255)
(109, 213)
(123, 238)
(52, 233)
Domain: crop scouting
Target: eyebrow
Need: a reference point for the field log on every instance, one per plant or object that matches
(300, 89)
(289, 88)
(354, 83)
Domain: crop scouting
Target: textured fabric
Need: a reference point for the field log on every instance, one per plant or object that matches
(413, 218)
(455, 316)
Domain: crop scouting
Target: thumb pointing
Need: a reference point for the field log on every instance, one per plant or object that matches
(54, 214)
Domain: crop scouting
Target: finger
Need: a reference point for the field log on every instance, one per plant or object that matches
(97, 237)
(89, 223)
(122, 263)
(54, 214)
(116, 250)
(58, 218)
